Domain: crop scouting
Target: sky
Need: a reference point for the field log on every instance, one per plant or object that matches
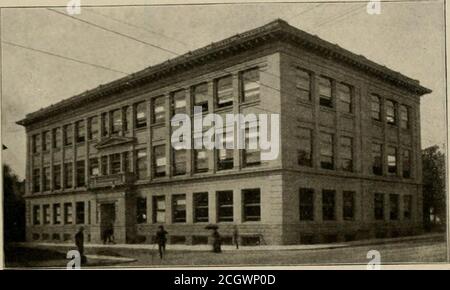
(406, 37)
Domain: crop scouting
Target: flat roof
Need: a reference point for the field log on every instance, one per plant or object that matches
(277, 29)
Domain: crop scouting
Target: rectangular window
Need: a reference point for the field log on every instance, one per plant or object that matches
(348, 205)
(392, 160)
(179, 102)
(379, 206)
(326, 151)
(394, 206)
(303, 85)
(117, 123)
(36, 180)
(93, 128)
(252, 204)
(140, 117)
(68, 175)
(81, 180)
(36, 143)
(159, 110)
(126, 162)
(159, 209)
(68, 135)
(57, 177)
(325, 92)
(36, 215)
(250, 85)
(46, 143)
(329, 205)
(225, 160)
(225, 157)
(46, 213)
(127, 118)
(407, 206)
(201, 207)
(141, 163)
(345, 97)
(406, 163)
(80, 213)
(404, 117)
(224, 92)
(377, 159)
(115, 163)
(346, 153)
(375, 107)
(57, 214)
(80, 131)
(104, 161)
(141, 210)
(200, 93)
(94, 169)
(46, 179)
(252, 156)
(200, 155)
(57, 138)
(159, 160)
(179, 208)
(225, 206)
(105, 124)
(68, 213)
(306, 204)
(179, 162)
(200, 160)
(304, 157)
(391, 112)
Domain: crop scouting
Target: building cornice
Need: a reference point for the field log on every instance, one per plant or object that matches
(277, 30)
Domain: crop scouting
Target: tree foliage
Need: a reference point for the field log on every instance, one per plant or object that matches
(14, 205)
(434, 197)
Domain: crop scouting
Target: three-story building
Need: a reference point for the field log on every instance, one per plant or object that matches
(349, 165)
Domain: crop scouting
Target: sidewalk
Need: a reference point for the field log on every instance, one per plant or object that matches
(245, 248)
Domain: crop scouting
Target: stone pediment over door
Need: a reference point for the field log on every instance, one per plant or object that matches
(115, 143)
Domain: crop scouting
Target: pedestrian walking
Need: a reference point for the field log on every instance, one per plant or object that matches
(79, 242)
(161, 239)
(236, 236)
(110, 236)
(216, 241)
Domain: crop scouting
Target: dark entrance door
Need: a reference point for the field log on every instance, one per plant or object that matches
(107, 219)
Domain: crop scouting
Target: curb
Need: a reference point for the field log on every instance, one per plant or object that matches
(203, 248)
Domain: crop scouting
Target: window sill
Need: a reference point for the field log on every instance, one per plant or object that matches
(377, 123)
(305, 103)
(224, 109)
(251, 222)
(250, 103)
(327, 109)
(392, 126)
(348, 115)
(158, 124)
(140, 129)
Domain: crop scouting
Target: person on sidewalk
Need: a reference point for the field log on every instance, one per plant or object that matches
(110, 233)
(79, 242)
(161, 239)
(216, 241)
(236, 237)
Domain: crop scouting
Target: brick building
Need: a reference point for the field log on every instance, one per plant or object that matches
(349, 165)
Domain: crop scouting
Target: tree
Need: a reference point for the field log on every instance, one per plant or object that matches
(434, 196)
(14, 206)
